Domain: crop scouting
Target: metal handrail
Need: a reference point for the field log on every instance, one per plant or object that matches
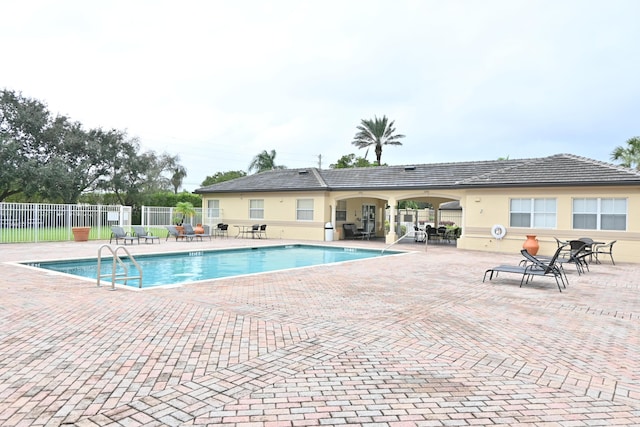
(118, 261)
(400, 238)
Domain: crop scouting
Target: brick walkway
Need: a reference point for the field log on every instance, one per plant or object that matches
(415, 339)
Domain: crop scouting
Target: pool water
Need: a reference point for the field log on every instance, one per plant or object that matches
(183, 267)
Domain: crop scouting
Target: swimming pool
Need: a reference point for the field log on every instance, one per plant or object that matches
(192, 266)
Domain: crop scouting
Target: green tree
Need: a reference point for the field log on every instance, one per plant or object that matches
(179, 172)
(23, 123)
(74, 164)
(376, 132)
(351, 161)
(186, 209)
(264, 161)
(221, 177)
(53, 159)
(628, 156)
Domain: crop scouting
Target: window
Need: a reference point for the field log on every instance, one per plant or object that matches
(304, 210)
(538, 213)
(600, 214)
(256, 209)
(341, 210)
(213, 208)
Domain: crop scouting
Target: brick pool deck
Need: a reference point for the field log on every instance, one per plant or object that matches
(416, 339)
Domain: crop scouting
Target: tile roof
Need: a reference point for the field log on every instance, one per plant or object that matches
(556, 170)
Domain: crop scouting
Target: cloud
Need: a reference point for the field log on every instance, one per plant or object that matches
(218, 82)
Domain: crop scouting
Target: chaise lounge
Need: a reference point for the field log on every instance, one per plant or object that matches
(141, 233)
(118, 234)
(531, 266)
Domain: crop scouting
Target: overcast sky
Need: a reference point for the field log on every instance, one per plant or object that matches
(217, 82)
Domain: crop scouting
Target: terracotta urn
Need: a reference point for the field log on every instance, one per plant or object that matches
(531, 244)
(198, 229)
(81, 234)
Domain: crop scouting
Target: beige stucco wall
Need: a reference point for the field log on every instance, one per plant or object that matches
(482, 209)
(485, 208)
(279, 213)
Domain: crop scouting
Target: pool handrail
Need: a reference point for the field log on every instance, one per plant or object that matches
(118, 261)
(400, 238)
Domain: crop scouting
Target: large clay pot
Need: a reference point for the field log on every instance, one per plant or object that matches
(81, 234)
(198, 229)
(531, 244)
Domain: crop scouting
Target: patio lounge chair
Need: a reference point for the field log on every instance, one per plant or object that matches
(533, 267)
(262, 232)
(178, 234)
(118, 234)
(141, 233)
(190, 233)
(351, 231)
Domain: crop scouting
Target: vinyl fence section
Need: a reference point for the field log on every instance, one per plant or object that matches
(40, 222)
(161, 216)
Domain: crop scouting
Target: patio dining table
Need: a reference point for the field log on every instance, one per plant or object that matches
(243, 230)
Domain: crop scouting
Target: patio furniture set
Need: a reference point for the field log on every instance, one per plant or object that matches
(579, 252)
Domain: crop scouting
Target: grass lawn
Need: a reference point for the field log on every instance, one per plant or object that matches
(60, 234)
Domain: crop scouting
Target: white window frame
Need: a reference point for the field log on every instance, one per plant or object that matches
(304, 209)
(601, 207)
(541, 211)
(341, 210)
(256, 209)
(213, 208)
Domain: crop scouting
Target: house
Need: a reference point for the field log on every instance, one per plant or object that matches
(564, 196)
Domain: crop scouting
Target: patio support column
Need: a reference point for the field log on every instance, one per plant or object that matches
(391, 236)
(333, 215)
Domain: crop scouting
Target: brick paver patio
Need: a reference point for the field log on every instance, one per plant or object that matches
(416, 339)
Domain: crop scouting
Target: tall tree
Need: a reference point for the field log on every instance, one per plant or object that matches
(179, 172)
(23, 122)
(351, 161)
(628, 156)
(264, 162)
(221, 177)
(376, 132)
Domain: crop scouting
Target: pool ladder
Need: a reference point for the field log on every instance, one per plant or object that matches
(117, 261)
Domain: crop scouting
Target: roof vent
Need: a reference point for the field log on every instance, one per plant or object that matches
(303, 172)
(409, 168)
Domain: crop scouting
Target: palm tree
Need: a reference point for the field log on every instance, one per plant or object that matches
(629, 156)
(376, 132)
(264, 162)
(179, 172)
(186, 209)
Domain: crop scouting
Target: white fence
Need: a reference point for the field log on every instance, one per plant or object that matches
(160, 216)
(38, 222)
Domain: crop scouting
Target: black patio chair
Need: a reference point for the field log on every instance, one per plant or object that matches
(351, 231)
(578, 255)
(606, 249)
(262, 232)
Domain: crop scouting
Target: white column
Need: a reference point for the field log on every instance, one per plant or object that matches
(391, 235)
